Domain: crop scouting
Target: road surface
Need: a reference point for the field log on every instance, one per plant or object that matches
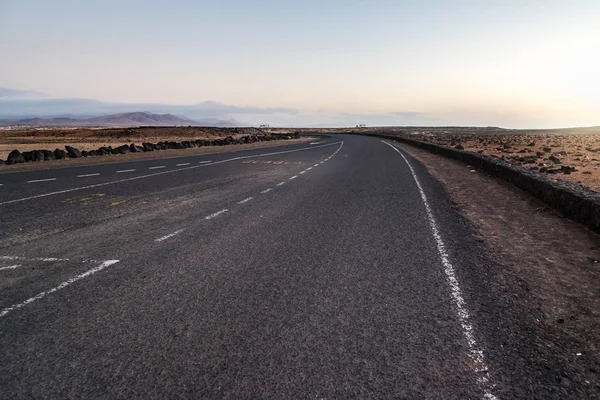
(323, 270)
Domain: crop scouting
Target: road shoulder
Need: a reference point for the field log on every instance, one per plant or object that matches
(549, 273)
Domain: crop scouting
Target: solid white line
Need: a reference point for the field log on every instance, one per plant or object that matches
(280, 183)
(162, 173)
(204, 162)
(293, 177)
(267, 190)
(42, 180)
(475, 351)
(158, 167)
(170, 235)
(10, 267)
(125, 170)
(211, 216)
(245, 200)
(86, 175)
(63, 285)
(182, 164)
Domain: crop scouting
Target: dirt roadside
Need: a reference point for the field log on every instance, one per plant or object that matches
(549, 269)
(153, 155)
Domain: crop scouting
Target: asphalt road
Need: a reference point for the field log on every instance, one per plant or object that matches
(326, 270)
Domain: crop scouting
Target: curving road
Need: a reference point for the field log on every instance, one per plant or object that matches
(336, 269)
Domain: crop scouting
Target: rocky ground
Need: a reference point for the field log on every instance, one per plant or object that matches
(28, 145)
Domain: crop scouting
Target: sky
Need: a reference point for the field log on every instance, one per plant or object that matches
(515, 64)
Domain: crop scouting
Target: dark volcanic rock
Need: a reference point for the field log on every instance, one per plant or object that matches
(122, 149)
(73, 152)
(60, 154)
(85, 153)
(48, 155)
(148, 146)
(133, 148)
(38, 155)
(459, 147)
(554, 159)
(15, 157)
(2, 162)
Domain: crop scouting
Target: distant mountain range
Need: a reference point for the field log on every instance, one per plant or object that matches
(118, 120)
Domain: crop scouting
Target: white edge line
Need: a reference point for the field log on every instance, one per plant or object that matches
(86, 175)
(475, 352)
(162, 173)
(10, 267)
(211, 216)
(63, 285)
(41, 180)
(170, 235)
(125, 170)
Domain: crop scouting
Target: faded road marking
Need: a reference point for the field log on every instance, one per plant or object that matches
(86, 175)
(63, 285)
(158, 167)
(42, 180)
(125, 170)
(10, 267)
(267, 190)
(182, 164)
(281, 183)
(211, 216)
(293, 177)
(245, 200)
(204, 162)
(170, 235)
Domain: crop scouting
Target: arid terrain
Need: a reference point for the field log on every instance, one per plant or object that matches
(92, 138)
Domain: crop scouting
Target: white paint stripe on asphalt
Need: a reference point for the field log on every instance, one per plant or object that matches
(204, 162)
(162, 173)
(47, 259)
(316, 142)
(1, 184)
(302, 172)
(170, 235)
(42, 180)
(125, 170)
(267, 190)
(316, 165)
(309, 168)
(245, 200)
(158, 167)
(10, 267)
(86, 175)
(63, 285)
(182, 164)
(293, 177)
(475, 351)
(281, 183)
(211, 216)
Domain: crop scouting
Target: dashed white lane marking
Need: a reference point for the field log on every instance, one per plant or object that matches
(158, 167)
(281, 183)
(86, 175)
(125, 170)
(48, 259)
(316, 165)
(316, 142)
(104, 264)
(211, 216)
(10, 267)
(293, 177)
(309, 168)
(302, 172)
(170, 235)
(267, 190)
(163, 173)
(42, 180)
(204, 162)
(182, 164)
(475, 351)
(1, 184)
(321, 162)
(245, 200)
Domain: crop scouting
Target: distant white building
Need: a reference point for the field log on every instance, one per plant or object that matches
(264, 126)
(361, 125)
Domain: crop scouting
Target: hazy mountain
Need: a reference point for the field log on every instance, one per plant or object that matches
(19, 94)
(120, 120)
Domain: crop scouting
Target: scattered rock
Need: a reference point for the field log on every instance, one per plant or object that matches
(28, 156)
(459, 147)
(531, 144)
(148, 146)
(122, 149)
(547, 149)
(554, 159)
(48, 155)
(73, 152)
(15, 157)
(60, 154)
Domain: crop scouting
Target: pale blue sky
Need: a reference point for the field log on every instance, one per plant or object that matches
(508, 63)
